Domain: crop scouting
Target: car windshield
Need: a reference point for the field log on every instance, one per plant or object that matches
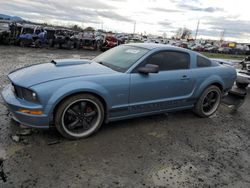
(121, 58)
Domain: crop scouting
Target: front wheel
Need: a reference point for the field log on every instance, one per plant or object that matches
(79, 116)
(208, 102)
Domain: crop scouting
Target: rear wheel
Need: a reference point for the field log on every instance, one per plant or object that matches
(241, 85)
(79, 116)
(208, 102)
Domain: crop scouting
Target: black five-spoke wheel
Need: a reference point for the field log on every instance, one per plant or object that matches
(208, 102)
(79, 116)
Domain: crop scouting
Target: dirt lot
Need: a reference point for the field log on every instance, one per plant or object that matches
(170, 150)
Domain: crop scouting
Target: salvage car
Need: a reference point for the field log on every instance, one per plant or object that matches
(85, 40)
(106, 42)
(131, 80)
(243, 71)
(31, 35)
(63, 38)
(4, 32)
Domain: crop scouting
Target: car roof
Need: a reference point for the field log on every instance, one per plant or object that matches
(152, 46)
(148, 46)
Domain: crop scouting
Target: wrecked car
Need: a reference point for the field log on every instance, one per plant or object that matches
(106, 42)
(243, 71)
(63, 38)
(9, 32)
(46, 37)
(4, 32)
(78, 96)
(85, 40)
(32, 35)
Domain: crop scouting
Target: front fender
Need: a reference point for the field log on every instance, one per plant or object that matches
(76, 87)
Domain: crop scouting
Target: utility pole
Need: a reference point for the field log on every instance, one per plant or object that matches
(197, 29)
(134, 27)
(222, 35)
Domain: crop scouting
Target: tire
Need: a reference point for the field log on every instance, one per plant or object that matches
(72, 117)
(241, 85)
(212, 98)
(51, 43)
(98, 45)
(22, 43)
(69, 45)
(78, 45)
(37, 43)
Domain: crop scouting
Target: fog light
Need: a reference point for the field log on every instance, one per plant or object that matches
(33, 112)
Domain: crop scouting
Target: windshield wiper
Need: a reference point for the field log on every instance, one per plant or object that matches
(104, 64)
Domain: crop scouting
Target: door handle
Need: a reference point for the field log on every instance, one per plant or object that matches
(185, 77)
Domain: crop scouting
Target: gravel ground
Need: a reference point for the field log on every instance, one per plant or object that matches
(168, 150)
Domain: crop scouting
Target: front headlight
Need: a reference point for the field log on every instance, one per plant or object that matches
(24, 93)
(29, 95)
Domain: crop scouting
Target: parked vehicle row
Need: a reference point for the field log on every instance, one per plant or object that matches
(38, 36)
(212, 48)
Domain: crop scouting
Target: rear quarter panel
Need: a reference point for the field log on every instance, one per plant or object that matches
(222, 75)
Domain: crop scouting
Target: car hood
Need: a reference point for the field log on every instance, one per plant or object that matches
(57, 69)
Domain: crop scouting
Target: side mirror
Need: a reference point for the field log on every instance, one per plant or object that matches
(149, 68)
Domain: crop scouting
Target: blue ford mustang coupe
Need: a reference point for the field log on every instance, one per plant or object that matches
(78, 96)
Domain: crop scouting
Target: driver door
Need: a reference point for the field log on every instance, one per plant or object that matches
(169, 88)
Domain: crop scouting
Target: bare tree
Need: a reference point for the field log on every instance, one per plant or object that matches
(183, 33)
(89, 29)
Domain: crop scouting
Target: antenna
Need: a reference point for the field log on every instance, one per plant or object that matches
(197, 29)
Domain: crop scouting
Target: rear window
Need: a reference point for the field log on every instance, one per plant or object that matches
(203, 62)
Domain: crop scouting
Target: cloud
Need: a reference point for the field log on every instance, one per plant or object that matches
(113, 15)
(158, 9)
(201, 9)
(165, 23)
(152, 16)
(86, 11)
(232, 27)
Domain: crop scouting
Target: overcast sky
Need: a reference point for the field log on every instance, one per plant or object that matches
(151, 16)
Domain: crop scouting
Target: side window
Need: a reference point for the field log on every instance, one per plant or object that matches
(170, 60)
(203, 62)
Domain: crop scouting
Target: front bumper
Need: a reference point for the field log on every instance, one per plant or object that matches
(243, 77)
(14, 104)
